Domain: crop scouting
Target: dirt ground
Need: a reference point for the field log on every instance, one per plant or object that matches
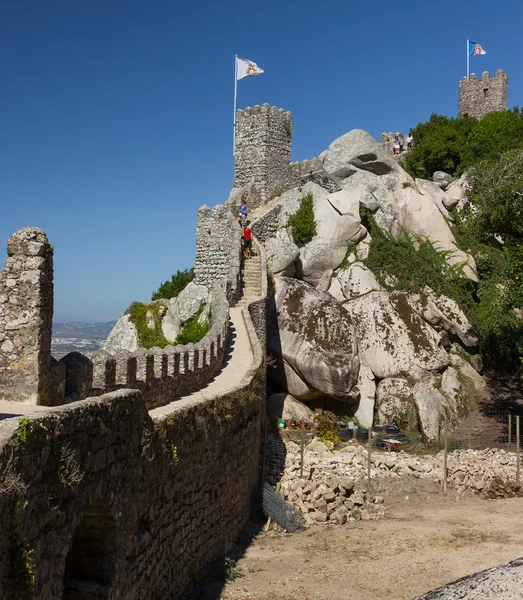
(427, 539)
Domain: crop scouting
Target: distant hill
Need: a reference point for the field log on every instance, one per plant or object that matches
(85, 330)
(78, 336)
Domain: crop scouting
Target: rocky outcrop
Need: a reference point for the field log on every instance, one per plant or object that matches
(314, 344)
(395, 400)
(359, 149)
(403, 339)
(284, 406)
(123, 336)
(174, 314)
(357, 280)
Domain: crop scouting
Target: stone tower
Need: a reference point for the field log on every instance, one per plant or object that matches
(478, 97)
(263, 149)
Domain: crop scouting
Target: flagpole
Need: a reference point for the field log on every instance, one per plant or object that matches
(234, 117)
(468, 59)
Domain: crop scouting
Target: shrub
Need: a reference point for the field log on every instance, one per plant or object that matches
(493, 135)
(302, 222)
(327, 428)
(194, 330)
(438, 146)
(496, 192)
(411, 263)
(171, 289)
(230, 570)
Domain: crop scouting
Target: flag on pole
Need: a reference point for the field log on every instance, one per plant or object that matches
(475, 49)
(246, 68)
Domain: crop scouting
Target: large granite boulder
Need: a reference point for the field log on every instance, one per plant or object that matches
(281, 254)
(190, 299)
(455, 193)
(334, 234)
(359, 149)
(284, 406)
(442, 179)
(395, 402)
(366, 385)
(443, 313)
(314, 342)
(123, 336)
(436, 194)
(430, 403)
(393, 339)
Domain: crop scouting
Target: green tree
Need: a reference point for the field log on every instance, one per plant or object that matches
(496, 193)
(171, 289)
(438, 145)
(493, 135)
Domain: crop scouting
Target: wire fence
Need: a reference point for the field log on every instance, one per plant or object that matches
(496, 430)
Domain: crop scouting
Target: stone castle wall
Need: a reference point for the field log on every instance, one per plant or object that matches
(29, 374)
(218, 250)
(102, 496)
(26, 315)
(478, 97)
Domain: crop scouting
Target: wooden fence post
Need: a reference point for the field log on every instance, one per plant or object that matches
(517, 450)
(302, 447)
(368, 456)
(445, 455)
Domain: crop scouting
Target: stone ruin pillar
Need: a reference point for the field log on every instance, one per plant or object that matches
(26, 315)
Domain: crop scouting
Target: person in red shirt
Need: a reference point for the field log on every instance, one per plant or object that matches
(247, 240)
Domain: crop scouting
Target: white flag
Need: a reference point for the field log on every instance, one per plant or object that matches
(246, 68)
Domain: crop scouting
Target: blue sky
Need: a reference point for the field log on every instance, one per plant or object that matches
(116, 116)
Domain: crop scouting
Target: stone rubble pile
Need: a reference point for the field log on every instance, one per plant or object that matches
(333, 484)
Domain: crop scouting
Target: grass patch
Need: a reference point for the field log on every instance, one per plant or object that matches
(194, 330)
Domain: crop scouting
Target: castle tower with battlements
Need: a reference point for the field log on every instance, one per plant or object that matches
(263, 149)
(478, 97)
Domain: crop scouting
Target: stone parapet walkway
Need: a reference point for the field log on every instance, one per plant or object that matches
(238, 360)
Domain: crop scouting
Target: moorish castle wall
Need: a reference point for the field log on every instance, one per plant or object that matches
(125, 486)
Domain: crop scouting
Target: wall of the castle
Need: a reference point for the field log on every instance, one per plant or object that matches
(179, 488)
(478, 97)
(218, 250)
(26, 314)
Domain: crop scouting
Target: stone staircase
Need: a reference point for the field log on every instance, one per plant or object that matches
(250, 278)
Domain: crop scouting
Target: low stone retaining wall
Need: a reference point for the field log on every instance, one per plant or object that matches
(337, 480)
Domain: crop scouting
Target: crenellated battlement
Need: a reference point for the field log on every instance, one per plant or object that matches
(478, 97)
